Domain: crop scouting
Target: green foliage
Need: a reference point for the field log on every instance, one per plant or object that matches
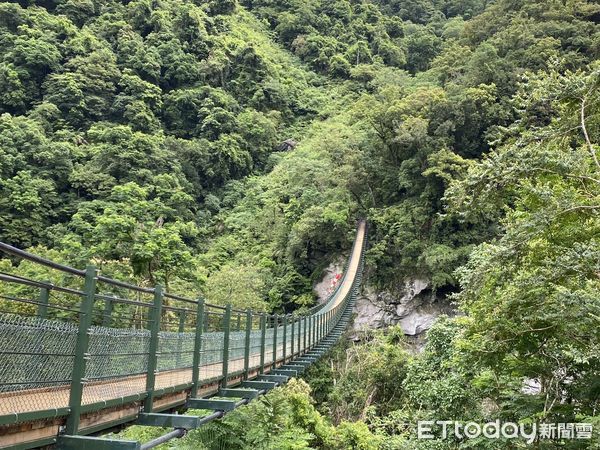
(529, 297)
(540, 278)
(284, 419)
(334, 36)
(28, 204)
(103, 96)
(437, 383)
(121, 122)
(369, 377)
(242, 286)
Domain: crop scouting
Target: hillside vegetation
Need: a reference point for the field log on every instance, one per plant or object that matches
(146, 136)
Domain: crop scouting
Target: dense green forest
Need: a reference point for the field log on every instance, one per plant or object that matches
(189, 143)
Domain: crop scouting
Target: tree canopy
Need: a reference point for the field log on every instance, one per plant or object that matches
(191, 142)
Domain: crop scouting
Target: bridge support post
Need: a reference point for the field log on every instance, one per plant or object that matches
(181, 329)
(310, 333)
(206, 321)
(226, 336)
(275, 325)
(304, 334)
(197, 347)
(299, 327)
(44, 299)
(107, 314)
(309, 321)
(81, 349)
(319, 327)
(247, 343)
(292, 336)
(263, 338)
(155, 316)
(285, 323)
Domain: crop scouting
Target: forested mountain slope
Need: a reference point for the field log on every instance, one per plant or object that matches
(122, 122)
(145, 135)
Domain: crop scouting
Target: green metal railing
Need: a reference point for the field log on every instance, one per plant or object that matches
(89, 343)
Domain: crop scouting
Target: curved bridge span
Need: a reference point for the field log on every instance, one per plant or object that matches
(84, 353)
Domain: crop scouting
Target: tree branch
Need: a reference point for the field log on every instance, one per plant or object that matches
(585, 132)
(575, 208)
(568, 175)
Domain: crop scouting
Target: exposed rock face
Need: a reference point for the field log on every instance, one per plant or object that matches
(288, 144)
(415, 308)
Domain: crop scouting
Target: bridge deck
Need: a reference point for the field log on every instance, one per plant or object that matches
(58, 397)
(351, 270)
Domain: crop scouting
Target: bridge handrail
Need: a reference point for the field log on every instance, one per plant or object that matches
(11, 250)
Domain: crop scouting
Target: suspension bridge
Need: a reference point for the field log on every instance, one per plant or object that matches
(85, 354)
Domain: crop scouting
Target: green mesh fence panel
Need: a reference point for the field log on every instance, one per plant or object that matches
(36, 356)
(269, 346)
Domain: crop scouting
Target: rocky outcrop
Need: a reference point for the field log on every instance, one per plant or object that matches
(287, 145)
(414, 306)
